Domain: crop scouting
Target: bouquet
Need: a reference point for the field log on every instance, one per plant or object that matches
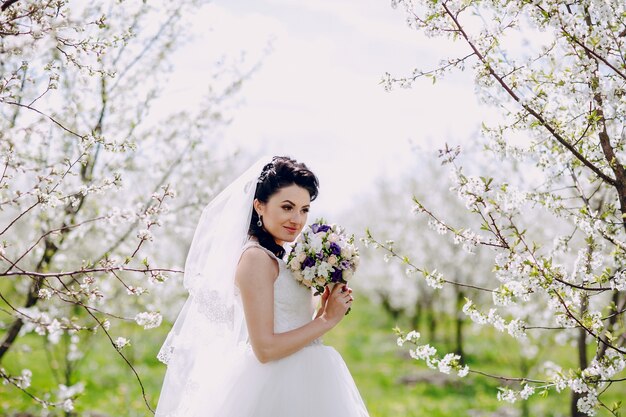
(323, 254)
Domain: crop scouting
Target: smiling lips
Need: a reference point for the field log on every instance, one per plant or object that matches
(291, 230)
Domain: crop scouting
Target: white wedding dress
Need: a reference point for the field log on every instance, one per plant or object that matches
(312, 382)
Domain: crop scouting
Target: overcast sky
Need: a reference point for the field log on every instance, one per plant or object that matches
(317, 95)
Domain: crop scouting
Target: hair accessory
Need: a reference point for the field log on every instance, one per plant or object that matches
(266, 170)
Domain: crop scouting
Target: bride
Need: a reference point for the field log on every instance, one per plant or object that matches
(247, 342)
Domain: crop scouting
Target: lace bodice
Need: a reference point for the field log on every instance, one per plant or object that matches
(294, 304)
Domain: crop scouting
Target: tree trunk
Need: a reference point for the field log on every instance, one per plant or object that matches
(582, 357)
(417, 316)
(458, 319)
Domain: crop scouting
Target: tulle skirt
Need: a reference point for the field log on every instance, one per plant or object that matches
(312, 382)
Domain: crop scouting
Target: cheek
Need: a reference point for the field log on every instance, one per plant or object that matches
(279, 215)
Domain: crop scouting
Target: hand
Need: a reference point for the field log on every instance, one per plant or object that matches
(325, 295)
(337, 303)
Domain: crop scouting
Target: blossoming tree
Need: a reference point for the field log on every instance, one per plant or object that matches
(401, 291)
(556, 72)
(88, 173)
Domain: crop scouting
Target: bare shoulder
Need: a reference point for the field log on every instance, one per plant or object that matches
(256, 267)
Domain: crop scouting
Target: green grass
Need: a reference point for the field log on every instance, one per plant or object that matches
(365, 340)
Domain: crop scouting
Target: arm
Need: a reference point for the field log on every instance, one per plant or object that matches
(255, 277)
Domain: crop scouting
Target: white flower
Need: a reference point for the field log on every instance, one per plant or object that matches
(148, 320)
(54, 331)
(301, 255)
(473, 313)
(437, 226)
(121, 342)
(588, 404)
(65, 392)
(559, 383)
(595, 318)
(44, 294)
(463, 371)
(412, 336)
(516, 328)
(494, 319)
(324, 268)
(434, 279)
(315, 242)
(135, 290)
(423, 352)
(501, 296)
(347, 274)
(24, 380)
(527, 391)
(320, 280)
(68, 405)
(145, 234)
(507, 394)
(619, 281)
(294, 264)
(332, 260)
(578, 385)
(445, 365)
(333, 237)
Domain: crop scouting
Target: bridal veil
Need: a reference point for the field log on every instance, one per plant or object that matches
(210, 330)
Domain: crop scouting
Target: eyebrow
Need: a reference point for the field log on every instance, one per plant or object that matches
(289, 201)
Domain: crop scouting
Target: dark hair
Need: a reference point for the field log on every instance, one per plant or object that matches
(281, 172)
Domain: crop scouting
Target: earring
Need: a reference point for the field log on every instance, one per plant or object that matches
(260, 222)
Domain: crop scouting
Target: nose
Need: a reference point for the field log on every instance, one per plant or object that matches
(297, 217)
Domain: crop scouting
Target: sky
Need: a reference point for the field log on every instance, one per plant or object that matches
(316, 95)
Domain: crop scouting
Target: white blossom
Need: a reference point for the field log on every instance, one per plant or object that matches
(24, 380)
(148, 320)
(588, 403)
(121, 342)
(68, 405)
(527, 391)
(145, 234)
(434, 279)
(507, 394)
(44, 294)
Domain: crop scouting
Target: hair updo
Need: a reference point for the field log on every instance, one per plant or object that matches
(281, 172)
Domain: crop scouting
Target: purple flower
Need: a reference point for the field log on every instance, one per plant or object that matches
(337, 275)
(308, 262)
(320, 255)
(345, 264)
(317, 227)
(335, 249)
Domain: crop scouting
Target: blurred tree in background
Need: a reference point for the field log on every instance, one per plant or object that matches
(93, 180)
(555, 73)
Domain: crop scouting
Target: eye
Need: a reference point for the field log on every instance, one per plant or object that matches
(287, 207)
(306, 210)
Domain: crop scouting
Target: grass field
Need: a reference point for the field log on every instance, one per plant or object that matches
(390, 382)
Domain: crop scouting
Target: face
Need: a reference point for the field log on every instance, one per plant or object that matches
(285, 213)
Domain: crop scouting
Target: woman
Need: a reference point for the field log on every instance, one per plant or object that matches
(247, 342)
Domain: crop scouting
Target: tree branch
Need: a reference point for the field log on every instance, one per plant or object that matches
(526, 107)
